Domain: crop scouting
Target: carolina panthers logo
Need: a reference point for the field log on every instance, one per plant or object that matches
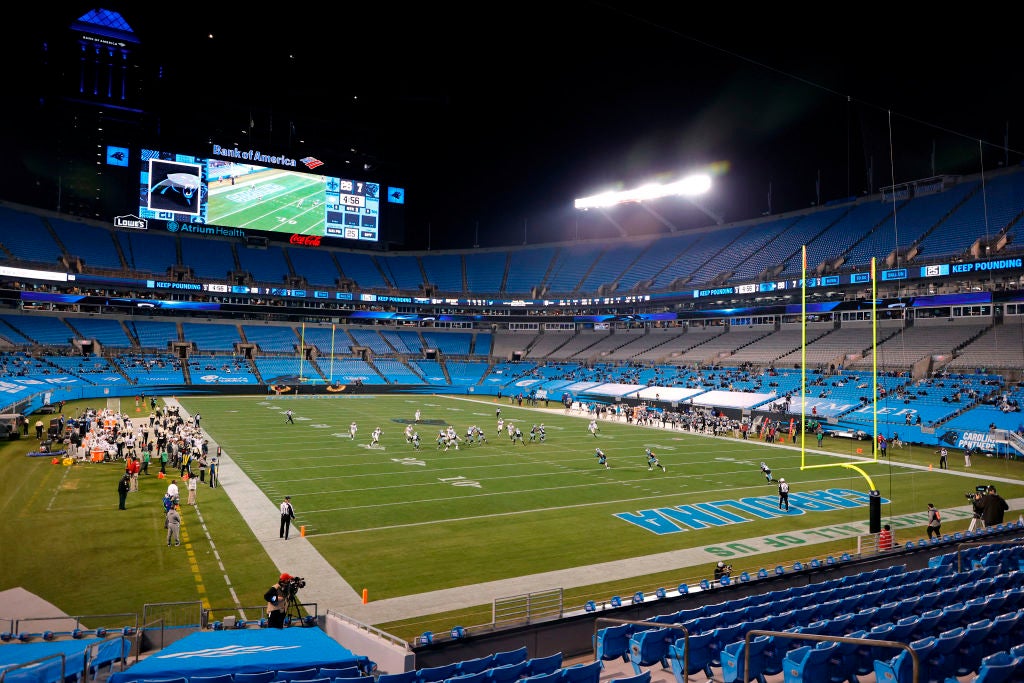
(951, 437)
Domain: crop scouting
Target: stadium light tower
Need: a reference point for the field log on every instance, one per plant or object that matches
(690, 188)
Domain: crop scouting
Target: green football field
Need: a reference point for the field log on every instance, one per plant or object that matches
(290, 202)
(399, 520)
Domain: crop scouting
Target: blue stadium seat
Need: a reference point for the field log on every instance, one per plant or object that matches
(973, 646)
(511, 656)
(536, 666)
(644, 677)
(472, 666)
(296, 674)
(583, 673)
(476, 677)
(612, 642)
(650, 647)
(401, 677)
(899, 669)
(691, 655)
(555, 676)
(812, 664)
(507, 673)
(221, 678)
(254, 676)
(1000, 667)
(734, 658)
(339, 671)
(430, 674)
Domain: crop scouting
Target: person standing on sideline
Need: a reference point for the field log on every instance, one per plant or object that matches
(173, 526)
(122, 490)
(163, 460)
(934, 522)
(172, 491)
(193, 488)
(277, 602)
(288, 415)
(783, 494)
(993, 507)
(885, 538)
(287, 515)
(943, 453)
(967, 457)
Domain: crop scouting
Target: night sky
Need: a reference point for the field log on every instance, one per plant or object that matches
(494, 117)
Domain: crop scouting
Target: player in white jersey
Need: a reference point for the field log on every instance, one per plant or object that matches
(352, 429)
(593, 428)
(375, 437)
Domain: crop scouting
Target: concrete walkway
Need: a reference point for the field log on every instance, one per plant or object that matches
(330, 591)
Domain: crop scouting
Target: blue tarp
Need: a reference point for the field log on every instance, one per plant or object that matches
(210, 653)
(74, 651)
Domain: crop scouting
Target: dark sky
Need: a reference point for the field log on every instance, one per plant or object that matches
(496, 116)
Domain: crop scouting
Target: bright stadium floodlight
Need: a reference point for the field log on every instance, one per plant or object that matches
(689, 186)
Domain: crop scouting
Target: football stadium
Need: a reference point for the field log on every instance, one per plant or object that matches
(247, 442)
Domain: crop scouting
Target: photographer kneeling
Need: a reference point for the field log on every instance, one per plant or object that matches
(277, 597)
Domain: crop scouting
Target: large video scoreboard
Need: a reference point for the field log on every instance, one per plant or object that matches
(249, 191)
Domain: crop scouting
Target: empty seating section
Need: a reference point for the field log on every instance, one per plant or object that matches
(372, 340)
(507, 342)
(265, 265)
(545, 344)
(154, 334)
(208, 258)
(660, 255)
(609, 343)
(351, 369)
(271, 338)
(657, 345)
(485, 271)
(707, 248)
(396, 372)
(41, 248)
(93, 245)
(749, 241)
(316, 265)
(41, 329)
(328, 342)
(285, 370)
(404, 272)
(404, 341)
(838, 237)
(527, 268)
(482, 344)
(569, 267)
(361, 269)
(106, 331)
(985, 213)
(774, 243)
(466, 373)
(611, 263)
(449, 343)
(211, 336)
(149, 253)
(444, 271)
(998, 347)
(430, 370)
(924, 339)
(912, 221)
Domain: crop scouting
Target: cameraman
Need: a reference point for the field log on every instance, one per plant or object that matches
(277, 601)
(721, 570)
(978, 510)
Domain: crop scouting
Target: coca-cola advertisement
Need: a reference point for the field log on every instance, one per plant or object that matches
(305, 240)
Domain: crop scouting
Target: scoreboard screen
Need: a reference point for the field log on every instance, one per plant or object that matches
(186, 189)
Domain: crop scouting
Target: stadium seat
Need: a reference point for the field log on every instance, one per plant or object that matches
(478, 677)
(339, 671)
(650, 647)
(555, 676)
(644, 677)
(221, 678)
(536, 666)
(899, 669)
(1000, 667)
(401, 677)
(430, 674)
(254, 677)
(973, 646)
(511, 656)
(612, 642)
(472, 666)
(691, 655)
(811, 664)
(947, 647)
(286, 675)
(583, 673)
(734, 658)
(507, 673)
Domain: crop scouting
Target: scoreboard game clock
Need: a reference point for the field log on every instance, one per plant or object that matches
(352, 209)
